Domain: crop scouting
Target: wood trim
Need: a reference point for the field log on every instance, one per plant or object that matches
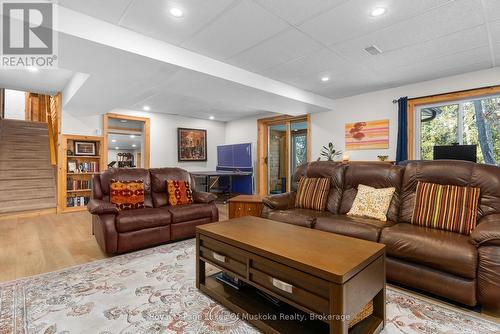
(62, 167)
(262, 147)
(432, 99)
(147, 136)
(110, 128)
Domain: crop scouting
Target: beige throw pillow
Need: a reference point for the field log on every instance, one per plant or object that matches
(371, 202)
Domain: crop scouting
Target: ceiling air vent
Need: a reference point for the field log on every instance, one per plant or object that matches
(373, 50)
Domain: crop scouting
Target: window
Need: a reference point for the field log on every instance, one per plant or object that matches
(465, 122)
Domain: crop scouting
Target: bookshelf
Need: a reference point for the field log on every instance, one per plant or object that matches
(75, 172)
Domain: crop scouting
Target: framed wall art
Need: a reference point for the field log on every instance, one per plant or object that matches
(191, 144)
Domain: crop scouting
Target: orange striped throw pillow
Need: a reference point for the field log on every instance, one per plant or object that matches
(179, 192)
(127, 195)
(446, 207)
(312, 193)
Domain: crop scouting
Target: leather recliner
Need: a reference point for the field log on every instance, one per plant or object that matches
(157, 223)
(465, 269)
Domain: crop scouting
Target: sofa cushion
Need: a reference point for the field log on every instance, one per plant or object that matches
(312, 193)
(321, 169)
(138, 219)
(184, 213)
(357, 227)
(374, 174)
(446, 207)
(123, 174)
(179, 192)
(127, 195)
(443, 250)
(372, 202)
(454, 172)
(300, 217)
(159, 177)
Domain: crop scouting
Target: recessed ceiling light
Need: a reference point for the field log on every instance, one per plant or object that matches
(378, 11)
(113, 140)
(134, 145)
(32, 69)
(123, 120)
(176, 12)
(212, 117)
(117, 148)
(146, 108)
(325, 79)
(132, 136)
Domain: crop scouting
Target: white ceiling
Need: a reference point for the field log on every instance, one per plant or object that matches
(124, 142)
(292, 41)
(45, 81)
(297, 41)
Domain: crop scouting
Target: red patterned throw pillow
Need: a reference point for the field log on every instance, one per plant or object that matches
(179, 192)
(312, 193)
(446, 207)
(127, 195)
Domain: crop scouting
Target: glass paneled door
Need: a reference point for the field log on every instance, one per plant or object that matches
(286, 149)
(277, 158)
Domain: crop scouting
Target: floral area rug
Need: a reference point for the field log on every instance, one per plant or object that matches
(153, 291)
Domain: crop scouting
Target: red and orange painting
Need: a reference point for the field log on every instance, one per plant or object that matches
(369, 135)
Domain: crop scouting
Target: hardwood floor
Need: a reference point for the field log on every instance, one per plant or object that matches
(37, 245)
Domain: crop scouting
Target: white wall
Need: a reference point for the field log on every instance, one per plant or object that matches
(14, 104)
(163, 135)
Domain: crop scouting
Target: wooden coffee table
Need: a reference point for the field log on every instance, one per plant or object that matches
(318, 281)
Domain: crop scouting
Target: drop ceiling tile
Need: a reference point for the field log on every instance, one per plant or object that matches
(463, 62)
(495, 31)
(434, 48)
(152, 17)
(356, 82)
(353, 19)
(310, 68)
(492, 9)
(239, 28)
(295, 11)
(109, 10)
(284, 47)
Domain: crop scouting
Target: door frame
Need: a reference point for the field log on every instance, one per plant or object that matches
(262, 147)
(147, 134)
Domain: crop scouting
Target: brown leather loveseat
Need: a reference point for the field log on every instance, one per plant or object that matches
(157, 223)
(465, 269)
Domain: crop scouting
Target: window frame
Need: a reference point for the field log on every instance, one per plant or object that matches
(413, 103)
(460, 123)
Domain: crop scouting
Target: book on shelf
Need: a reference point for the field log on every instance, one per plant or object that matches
(75, 184)
(76, 201)
(83, 167)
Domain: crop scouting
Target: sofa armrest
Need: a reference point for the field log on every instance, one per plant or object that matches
(487, 231)
(101, 207)
(281, 201)
(203, 197)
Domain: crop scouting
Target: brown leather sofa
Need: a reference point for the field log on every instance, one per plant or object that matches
(465, 269)
(157, 223)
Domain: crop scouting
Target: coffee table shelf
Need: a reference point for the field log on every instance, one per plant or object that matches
(311, 285)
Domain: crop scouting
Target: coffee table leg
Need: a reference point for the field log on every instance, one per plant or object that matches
(338, 308)
(200, 264)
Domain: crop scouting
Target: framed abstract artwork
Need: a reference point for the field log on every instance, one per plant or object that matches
(369, 135)
(191, 144)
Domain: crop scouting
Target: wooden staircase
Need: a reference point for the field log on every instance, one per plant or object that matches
(27, 178)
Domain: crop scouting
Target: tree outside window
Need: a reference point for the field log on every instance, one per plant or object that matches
(472, 122)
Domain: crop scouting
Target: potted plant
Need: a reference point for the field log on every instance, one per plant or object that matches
(329, 152)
